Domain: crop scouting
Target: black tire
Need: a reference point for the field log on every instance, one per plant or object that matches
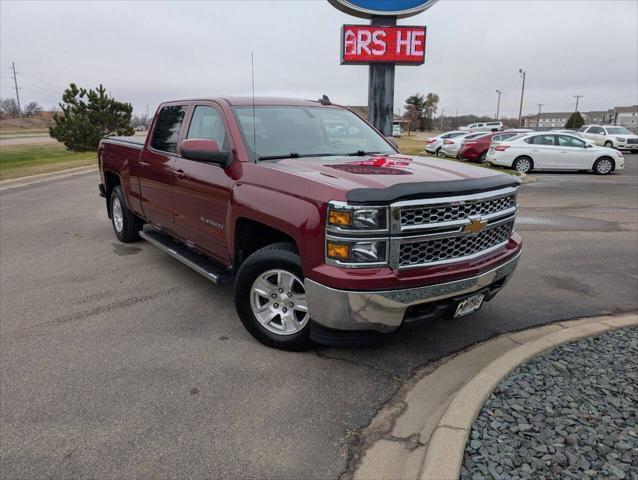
(523, 164)
(439, 154)
(483, 158)
(609, 144)
(129, 231)
(601, 166)
(281, 256)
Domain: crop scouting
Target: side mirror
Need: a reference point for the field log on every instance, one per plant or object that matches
(206, 151)
(393, 142)
(588, 145)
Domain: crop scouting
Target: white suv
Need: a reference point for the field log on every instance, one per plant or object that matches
(610, 136)
(483, 127)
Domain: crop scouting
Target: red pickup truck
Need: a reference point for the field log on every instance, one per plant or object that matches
(328, 233)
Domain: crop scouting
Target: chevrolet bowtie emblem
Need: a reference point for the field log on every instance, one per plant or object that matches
(475, 226)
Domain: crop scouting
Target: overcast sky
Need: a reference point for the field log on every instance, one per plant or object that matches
(146, 52)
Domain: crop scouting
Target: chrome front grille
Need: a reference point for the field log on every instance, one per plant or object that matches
(632, 141)
(459, 247)
(419, 216)
(437, 231)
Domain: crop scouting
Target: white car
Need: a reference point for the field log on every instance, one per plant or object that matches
(451, 146)
(551, 151)
(483, 127)
(611, 136)
(433, 144)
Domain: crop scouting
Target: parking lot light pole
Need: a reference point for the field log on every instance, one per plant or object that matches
(520, 110)
(538, 117)
(498, 104)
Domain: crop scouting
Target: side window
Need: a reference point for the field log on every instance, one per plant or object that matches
(582, 129)
(541, 140)
(566, 141)
(167, 127)
(207, 124)
(596, 130)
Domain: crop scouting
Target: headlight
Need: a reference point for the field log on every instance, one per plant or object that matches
(353, 252)
(620, 139)
(346, 218)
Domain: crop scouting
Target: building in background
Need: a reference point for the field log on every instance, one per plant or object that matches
(624, 116)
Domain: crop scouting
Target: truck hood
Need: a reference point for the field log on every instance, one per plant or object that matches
(386, 178)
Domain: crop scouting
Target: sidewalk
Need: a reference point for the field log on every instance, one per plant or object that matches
(422, 432)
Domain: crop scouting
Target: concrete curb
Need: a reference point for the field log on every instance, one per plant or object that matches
(45, 177)
(427, 437)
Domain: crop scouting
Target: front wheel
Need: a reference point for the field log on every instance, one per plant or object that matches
(440, 153)
(125, 224)
(483, 158)
(522, 164)
(270, 298)
(609, 144)
(603, 166)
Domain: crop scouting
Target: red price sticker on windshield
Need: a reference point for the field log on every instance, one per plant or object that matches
(363, 44)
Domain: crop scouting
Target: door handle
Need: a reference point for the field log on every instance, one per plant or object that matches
(143, 164)
(180, 173)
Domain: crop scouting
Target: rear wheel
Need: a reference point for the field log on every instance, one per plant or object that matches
(125, 224)
(523, 164)
(271, 300)
(603, 166)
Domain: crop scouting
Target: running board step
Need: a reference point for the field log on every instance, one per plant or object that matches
(213, 271)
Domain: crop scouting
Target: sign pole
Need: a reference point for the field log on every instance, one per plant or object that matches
(381, 86)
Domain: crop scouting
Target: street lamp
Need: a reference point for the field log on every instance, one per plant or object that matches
(498, 103)
(520, 110)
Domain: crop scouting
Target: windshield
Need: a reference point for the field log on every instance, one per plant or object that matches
(290, 131)
(618, 130)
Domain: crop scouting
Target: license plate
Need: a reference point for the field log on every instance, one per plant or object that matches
(469, 305)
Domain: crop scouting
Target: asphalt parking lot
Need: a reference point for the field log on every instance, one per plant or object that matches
(118, 361)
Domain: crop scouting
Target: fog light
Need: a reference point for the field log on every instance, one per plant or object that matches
(338, 251)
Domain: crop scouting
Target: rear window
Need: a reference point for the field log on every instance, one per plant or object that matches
(167, 128)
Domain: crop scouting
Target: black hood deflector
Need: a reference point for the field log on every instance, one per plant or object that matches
(413, 190)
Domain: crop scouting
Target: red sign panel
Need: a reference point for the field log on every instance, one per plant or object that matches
(371, 44)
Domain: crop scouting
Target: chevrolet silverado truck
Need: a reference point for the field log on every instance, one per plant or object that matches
(327, 232)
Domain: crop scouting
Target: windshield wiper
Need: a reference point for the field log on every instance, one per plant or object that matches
(296, 155)
(360, 153)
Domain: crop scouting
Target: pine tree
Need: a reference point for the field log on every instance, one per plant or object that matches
(575, 121)
(88, 116)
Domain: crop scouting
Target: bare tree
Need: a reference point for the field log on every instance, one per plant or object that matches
(10, 107)
(32, 108)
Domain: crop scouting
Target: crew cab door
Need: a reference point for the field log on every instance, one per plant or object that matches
(596, 134)
(201, 190)
(155, 166)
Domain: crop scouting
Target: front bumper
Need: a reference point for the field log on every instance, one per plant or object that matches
(384, 311)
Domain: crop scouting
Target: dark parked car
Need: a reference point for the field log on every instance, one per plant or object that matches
(476, 149)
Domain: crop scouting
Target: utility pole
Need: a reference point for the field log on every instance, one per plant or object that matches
(442, 115)
(15, 82)
(577, 97)
(538, 118)
(456, 119)
(498, 104)
(520, 109)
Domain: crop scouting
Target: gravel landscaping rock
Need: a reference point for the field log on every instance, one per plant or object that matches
(571, 413)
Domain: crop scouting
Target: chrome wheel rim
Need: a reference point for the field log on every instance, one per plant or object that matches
(523, 165)
(604, 166)
(278, 301)
(440, 153)
(118, 217)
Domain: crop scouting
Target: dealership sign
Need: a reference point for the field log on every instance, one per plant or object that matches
(383, 8)
(365, 44)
